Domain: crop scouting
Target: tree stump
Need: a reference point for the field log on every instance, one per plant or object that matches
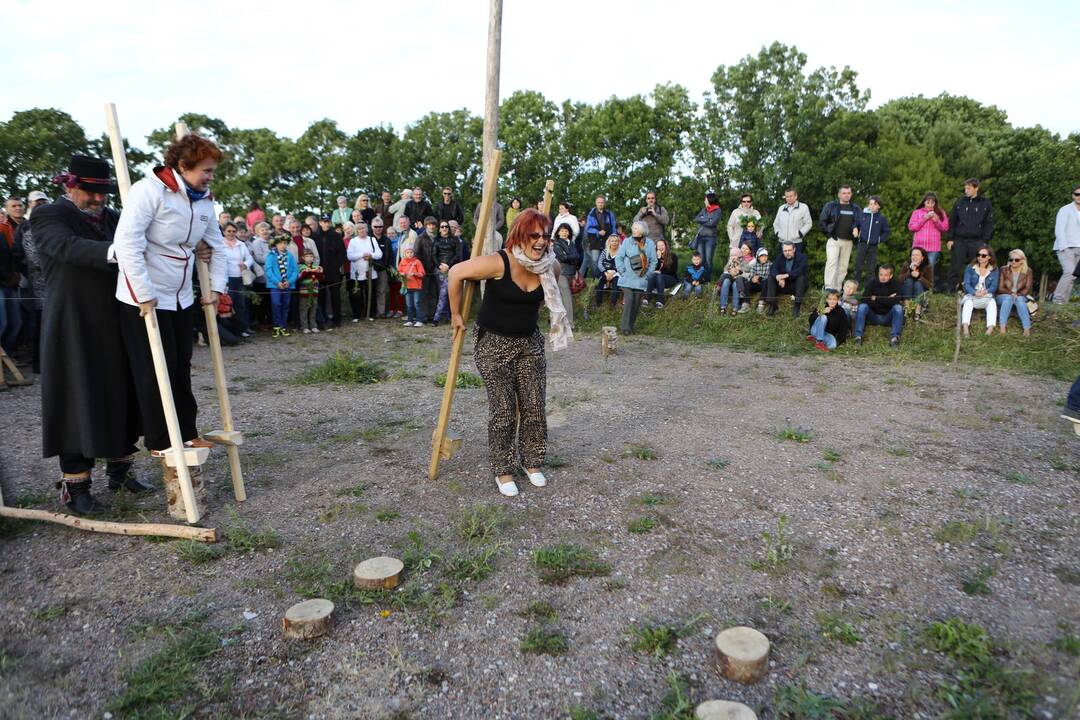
(381, 573)
(742, 654)
(174, 497)
(307, 620)
(723, 710)
(609, 339)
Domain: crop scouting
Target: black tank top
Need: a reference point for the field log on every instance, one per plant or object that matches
(506, 308)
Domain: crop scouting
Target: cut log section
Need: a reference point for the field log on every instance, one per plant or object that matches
(742, 654)
(173, 496)
(381, 573)
(307, 620)
(723, 710)
(609, 340)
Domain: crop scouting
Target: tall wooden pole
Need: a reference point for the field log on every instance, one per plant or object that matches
(491, 103)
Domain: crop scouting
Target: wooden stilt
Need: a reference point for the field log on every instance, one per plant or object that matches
(18, 379)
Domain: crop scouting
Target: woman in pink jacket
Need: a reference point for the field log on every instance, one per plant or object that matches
(928, 222)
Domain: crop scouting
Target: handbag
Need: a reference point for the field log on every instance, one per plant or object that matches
(1032, 304)
(247, 277)
(577, 284)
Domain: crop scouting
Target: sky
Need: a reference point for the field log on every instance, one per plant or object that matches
(284, 65)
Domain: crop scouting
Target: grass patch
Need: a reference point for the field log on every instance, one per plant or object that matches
(641, 452)
(581, 713)
(555, 462)
(834, 627)
(653, 499)
(344, 369)
(351, 491)
(558, 563)
(955, 532)
(1018, 478)
(717, 463)
(642, 525)
(480, 523)
(795, 702)
(898, 451)
(830, 455)
(777, 549)
(243, 538)
(544, 641)
(463, 380)
(417, 558)
(386, 514)
(676, 703)
(540, 611)
(794, 434)
(472, 565)
(979, 583)
(959, 640)
(659, 640)
(198, 553)
(1068, 642)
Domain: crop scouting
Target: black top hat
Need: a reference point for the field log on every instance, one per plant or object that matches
(89, 173)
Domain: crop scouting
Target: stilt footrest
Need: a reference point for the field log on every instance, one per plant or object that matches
(225, 437)
(193, 457)
(1075, 422)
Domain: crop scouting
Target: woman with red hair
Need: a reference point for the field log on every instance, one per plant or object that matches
(509, 350)
(166, 216)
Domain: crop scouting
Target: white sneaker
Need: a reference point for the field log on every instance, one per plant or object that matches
(407, 324)
(418, 324)
(537, 478)
(314, 330)
(306, 331)
(659, 304)
(508, 489)
(356, 320)
(245, 334)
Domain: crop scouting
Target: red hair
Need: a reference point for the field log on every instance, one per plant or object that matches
(190, 150)
(526, 222)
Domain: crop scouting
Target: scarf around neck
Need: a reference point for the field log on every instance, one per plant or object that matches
(560, 332)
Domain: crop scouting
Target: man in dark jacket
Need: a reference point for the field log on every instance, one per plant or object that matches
(425, 253)
(839, 222)
(971, 225)
(449, 208)
(599, 225)
(88, 407)
(881, 304)
(331, 247)
(383, 265)
(787, 275)
(447, 255)
(417, 209)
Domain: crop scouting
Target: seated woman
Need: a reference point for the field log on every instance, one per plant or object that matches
(608, 285)
(980, 284)
(916, 281)
(829, 328)
(667, 269)
(1014, 285)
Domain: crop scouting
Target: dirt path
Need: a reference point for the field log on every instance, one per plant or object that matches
(913, 480)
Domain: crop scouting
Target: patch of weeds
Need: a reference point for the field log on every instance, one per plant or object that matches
(386, 514)
(778, 549)
(10, 527)
(580, 713)
(345, 369)
(1018, 478)
(898, 451)
(544, 641)
(463, 380)
(830, 455)
(607, 458)
(51, 612)
(1067, 575)
(540, 611)
(642, 525)
(559, 563)
(243, 538)
(653, 499)
(554, 462)
(355, 491)
(795, 702)
(959, 640)
(1068, 643)
(614, 585)
(717, 463)
(676, 703)
(158, 685)
(979, 583)
(472, 565)
(641, 452)
(834, 627)
(966, 493)
(776, 605)
(317, 579)
(659, 640)
(1057, 463)
(196, 552)
(417, 558)
(795, 434)
(480, 523)
(7, 661)
(30, 499)
(955, 532)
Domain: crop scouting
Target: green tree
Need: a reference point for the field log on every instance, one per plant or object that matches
(443, 149)
(35, 145)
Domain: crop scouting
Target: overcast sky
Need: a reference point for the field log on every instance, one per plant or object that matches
(284, 64)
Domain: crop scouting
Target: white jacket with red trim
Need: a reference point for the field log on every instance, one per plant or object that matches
(155, 242)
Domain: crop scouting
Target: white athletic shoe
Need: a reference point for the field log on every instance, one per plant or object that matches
(306, 331)
(537, 478)
(508, 489)
(407, 324)
(418, 324)
(315, 330)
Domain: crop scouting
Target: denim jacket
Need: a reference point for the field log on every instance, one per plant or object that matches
(627, 277)
(971, 279)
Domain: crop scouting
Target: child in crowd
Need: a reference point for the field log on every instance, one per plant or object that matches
(694, 277)
(829, 328)
(308, 288)
(849, 301)
(281, 274)
(757, 275)
(412, 270)
(729, 285)
(749, 234)
(609, 275)
(745, 261)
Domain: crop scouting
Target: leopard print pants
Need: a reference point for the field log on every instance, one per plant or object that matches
(515, 374)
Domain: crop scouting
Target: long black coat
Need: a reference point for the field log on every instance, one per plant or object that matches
(87, 399)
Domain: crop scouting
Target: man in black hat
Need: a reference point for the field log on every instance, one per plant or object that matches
(88, 405)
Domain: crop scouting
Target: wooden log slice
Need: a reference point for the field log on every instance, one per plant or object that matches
(381, 573)
(742, 654)
(307, 620)
(723, 710)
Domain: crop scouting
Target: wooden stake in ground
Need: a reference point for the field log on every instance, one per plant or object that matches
(157, 351)
(742, 654)
(307, 620)
(609, 340)
(959, 316)
(723, 710)
(381, 573)
(228, 435)
(17, 377)
(441, 446)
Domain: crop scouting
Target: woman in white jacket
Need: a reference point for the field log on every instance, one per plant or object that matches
(166, 216)
(238, 259)
(363, 249)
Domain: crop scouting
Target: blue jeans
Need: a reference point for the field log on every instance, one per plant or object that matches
(10, 317)
(818, 331)
(689, 288)
(895, 318)
(658, 284)
(590, 263)
(728, 284)
(412, 305)
(279, 306)
(1007, 302)
(442, 309)
(706, 246)
(932, 257)
(1072, 402)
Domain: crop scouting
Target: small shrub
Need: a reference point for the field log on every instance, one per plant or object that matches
(641, 452)
(642, 525)
(777, 547)
(834, 627)
(559, 563)
(345, 369)
(544, 641)
(464, 379)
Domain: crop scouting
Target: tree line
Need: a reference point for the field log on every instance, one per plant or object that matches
(768, 122)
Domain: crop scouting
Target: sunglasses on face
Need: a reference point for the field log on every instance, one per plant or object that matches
(1015, 260)
(444, 227)
(1076, 194)
(983, 255)
(534, 236)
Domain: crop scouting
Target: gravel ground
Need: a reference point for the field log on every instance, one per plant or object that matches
(893, 454)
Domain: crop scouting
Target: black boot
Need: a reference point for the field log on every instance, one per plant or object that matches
(121, 474)
(77, 497)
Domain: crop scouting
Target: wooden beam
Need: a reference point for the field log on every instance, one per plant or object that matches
(491, 100)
